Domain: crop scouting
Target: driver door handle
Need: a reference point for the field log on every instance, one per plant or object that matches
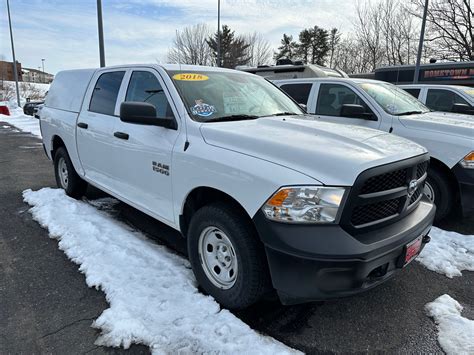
(82, 125)
(121, 135)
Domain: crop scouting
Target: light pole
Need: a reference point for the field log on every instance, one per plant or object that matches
(42, 64)
(218, 33)
(101, 33)
(15, 71)
(420, 44)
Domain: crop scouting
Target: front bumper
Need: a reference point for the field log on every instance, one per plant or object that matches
(316, 262)
(465, 178)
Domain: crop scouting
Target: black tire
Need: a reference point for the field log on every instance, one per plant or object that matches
(444, 193)
(75, 186)
(252, 280)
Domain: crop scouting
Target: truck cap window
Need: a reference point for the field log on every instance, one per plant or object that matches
(105, 93)
(145, 87)
(392, 99)
(224, 96)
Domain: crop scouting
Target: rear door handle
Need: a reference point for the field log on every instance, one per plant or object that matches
(121, 135)
(82, 125)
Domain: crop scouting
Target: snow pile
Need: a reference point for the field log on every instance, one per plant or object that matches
(21, 121)
(455, 333)
(152, 292)
(448, 253)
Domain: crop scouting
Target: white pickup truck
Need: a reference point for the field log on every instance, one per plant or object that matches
(265, 199)
(369, 103)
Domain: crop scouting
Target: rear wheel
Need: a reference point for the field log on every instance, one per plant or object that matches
(438, 189)
(226, 256)
(66, 176)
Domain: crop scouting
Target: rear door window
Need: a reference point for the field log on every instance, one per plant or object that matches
(332, 96)
(145, 87)
(413, 92)
(299, 92)
(105, 93)
(443, 100)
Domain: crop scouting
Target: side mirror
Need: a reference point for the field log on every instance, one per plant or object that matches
(145, 114)
(356, 111)
(462, 108)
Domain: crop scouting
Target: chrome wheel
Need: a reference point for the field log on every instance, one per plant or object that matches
(63, 173)
(429, 192)
(217, 256)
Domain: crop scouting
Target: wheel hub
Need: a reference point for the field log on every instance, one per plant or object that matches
(218, 258)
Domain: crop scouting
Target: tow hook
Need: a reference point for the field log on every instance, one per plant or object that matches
(426, 239)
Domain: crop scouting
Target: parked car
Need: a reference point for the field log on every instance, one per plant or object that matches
(29, 107)
(383, 106)
(447, 98)
(37, 111)
(265, 199)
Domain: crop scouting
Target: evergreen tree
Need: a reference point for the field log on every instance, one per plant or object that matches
(319, 45)
(304, 47)
(287, 49)
(234, 50)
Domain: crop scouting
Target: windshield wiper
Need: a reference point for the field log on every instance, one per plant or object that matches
(286, 114)
(408, 113)
(232, 118)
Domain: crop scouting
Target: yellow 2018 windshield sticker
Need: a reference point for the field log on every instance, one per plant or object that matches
(190, 77)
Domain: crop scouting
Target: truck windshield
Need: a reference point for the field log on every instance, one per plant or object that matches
(214, 96)
(394, 100)
(469, 92)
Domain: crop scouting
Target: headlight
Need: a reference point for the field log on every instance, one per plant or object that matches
(468, 161)
(304, 204)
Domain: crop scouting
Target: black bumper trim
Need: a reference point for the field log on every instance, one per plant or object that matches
(315, 262)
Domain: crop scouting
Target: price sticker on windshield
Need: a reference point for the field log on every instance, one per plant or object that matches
(190, 77)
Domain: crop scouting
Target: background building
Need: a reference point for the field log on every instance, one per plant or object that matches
(7, 73)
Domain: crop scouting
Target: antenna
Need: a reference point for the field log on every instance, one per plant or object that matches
(186, 142)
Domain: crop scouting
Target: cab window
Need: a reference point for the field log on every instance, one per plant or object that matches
(145, 87)
(331, 97)
(299, 92)
(413, 92)
(104, 96)
(443, 100)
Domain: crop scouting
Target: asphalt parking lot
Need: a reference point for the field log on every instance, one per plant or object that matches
(46, 307)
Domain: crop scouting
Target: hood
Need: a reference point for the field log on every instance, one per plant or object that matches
(334, 154)
(445, 122)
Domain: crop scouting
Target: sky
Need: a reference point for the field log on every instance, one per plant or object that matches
(64, 32)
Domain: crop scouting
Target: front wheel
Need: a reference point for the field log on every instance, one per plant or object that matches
(439, 190)
(227, 257)
(66, 176)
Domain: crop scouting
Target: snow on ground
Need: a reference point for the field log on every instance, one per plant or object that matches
(21, 121)
(151, 291)
(455, 333)
(448, 253)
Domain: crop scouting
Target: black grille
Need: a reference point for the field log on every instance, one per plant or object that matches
(385, 181)
(416, 194)
(382, 195)
(375, 211)
(421, 169)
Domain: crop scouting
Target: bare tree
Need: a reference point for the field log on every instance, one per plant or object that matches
(190, 46)
(449, 27)
(368, 27)
(259, 50)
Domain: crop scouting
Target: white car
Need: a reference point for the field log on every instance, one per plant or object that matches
(265, 199)
(380, 105)
(447, 98)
